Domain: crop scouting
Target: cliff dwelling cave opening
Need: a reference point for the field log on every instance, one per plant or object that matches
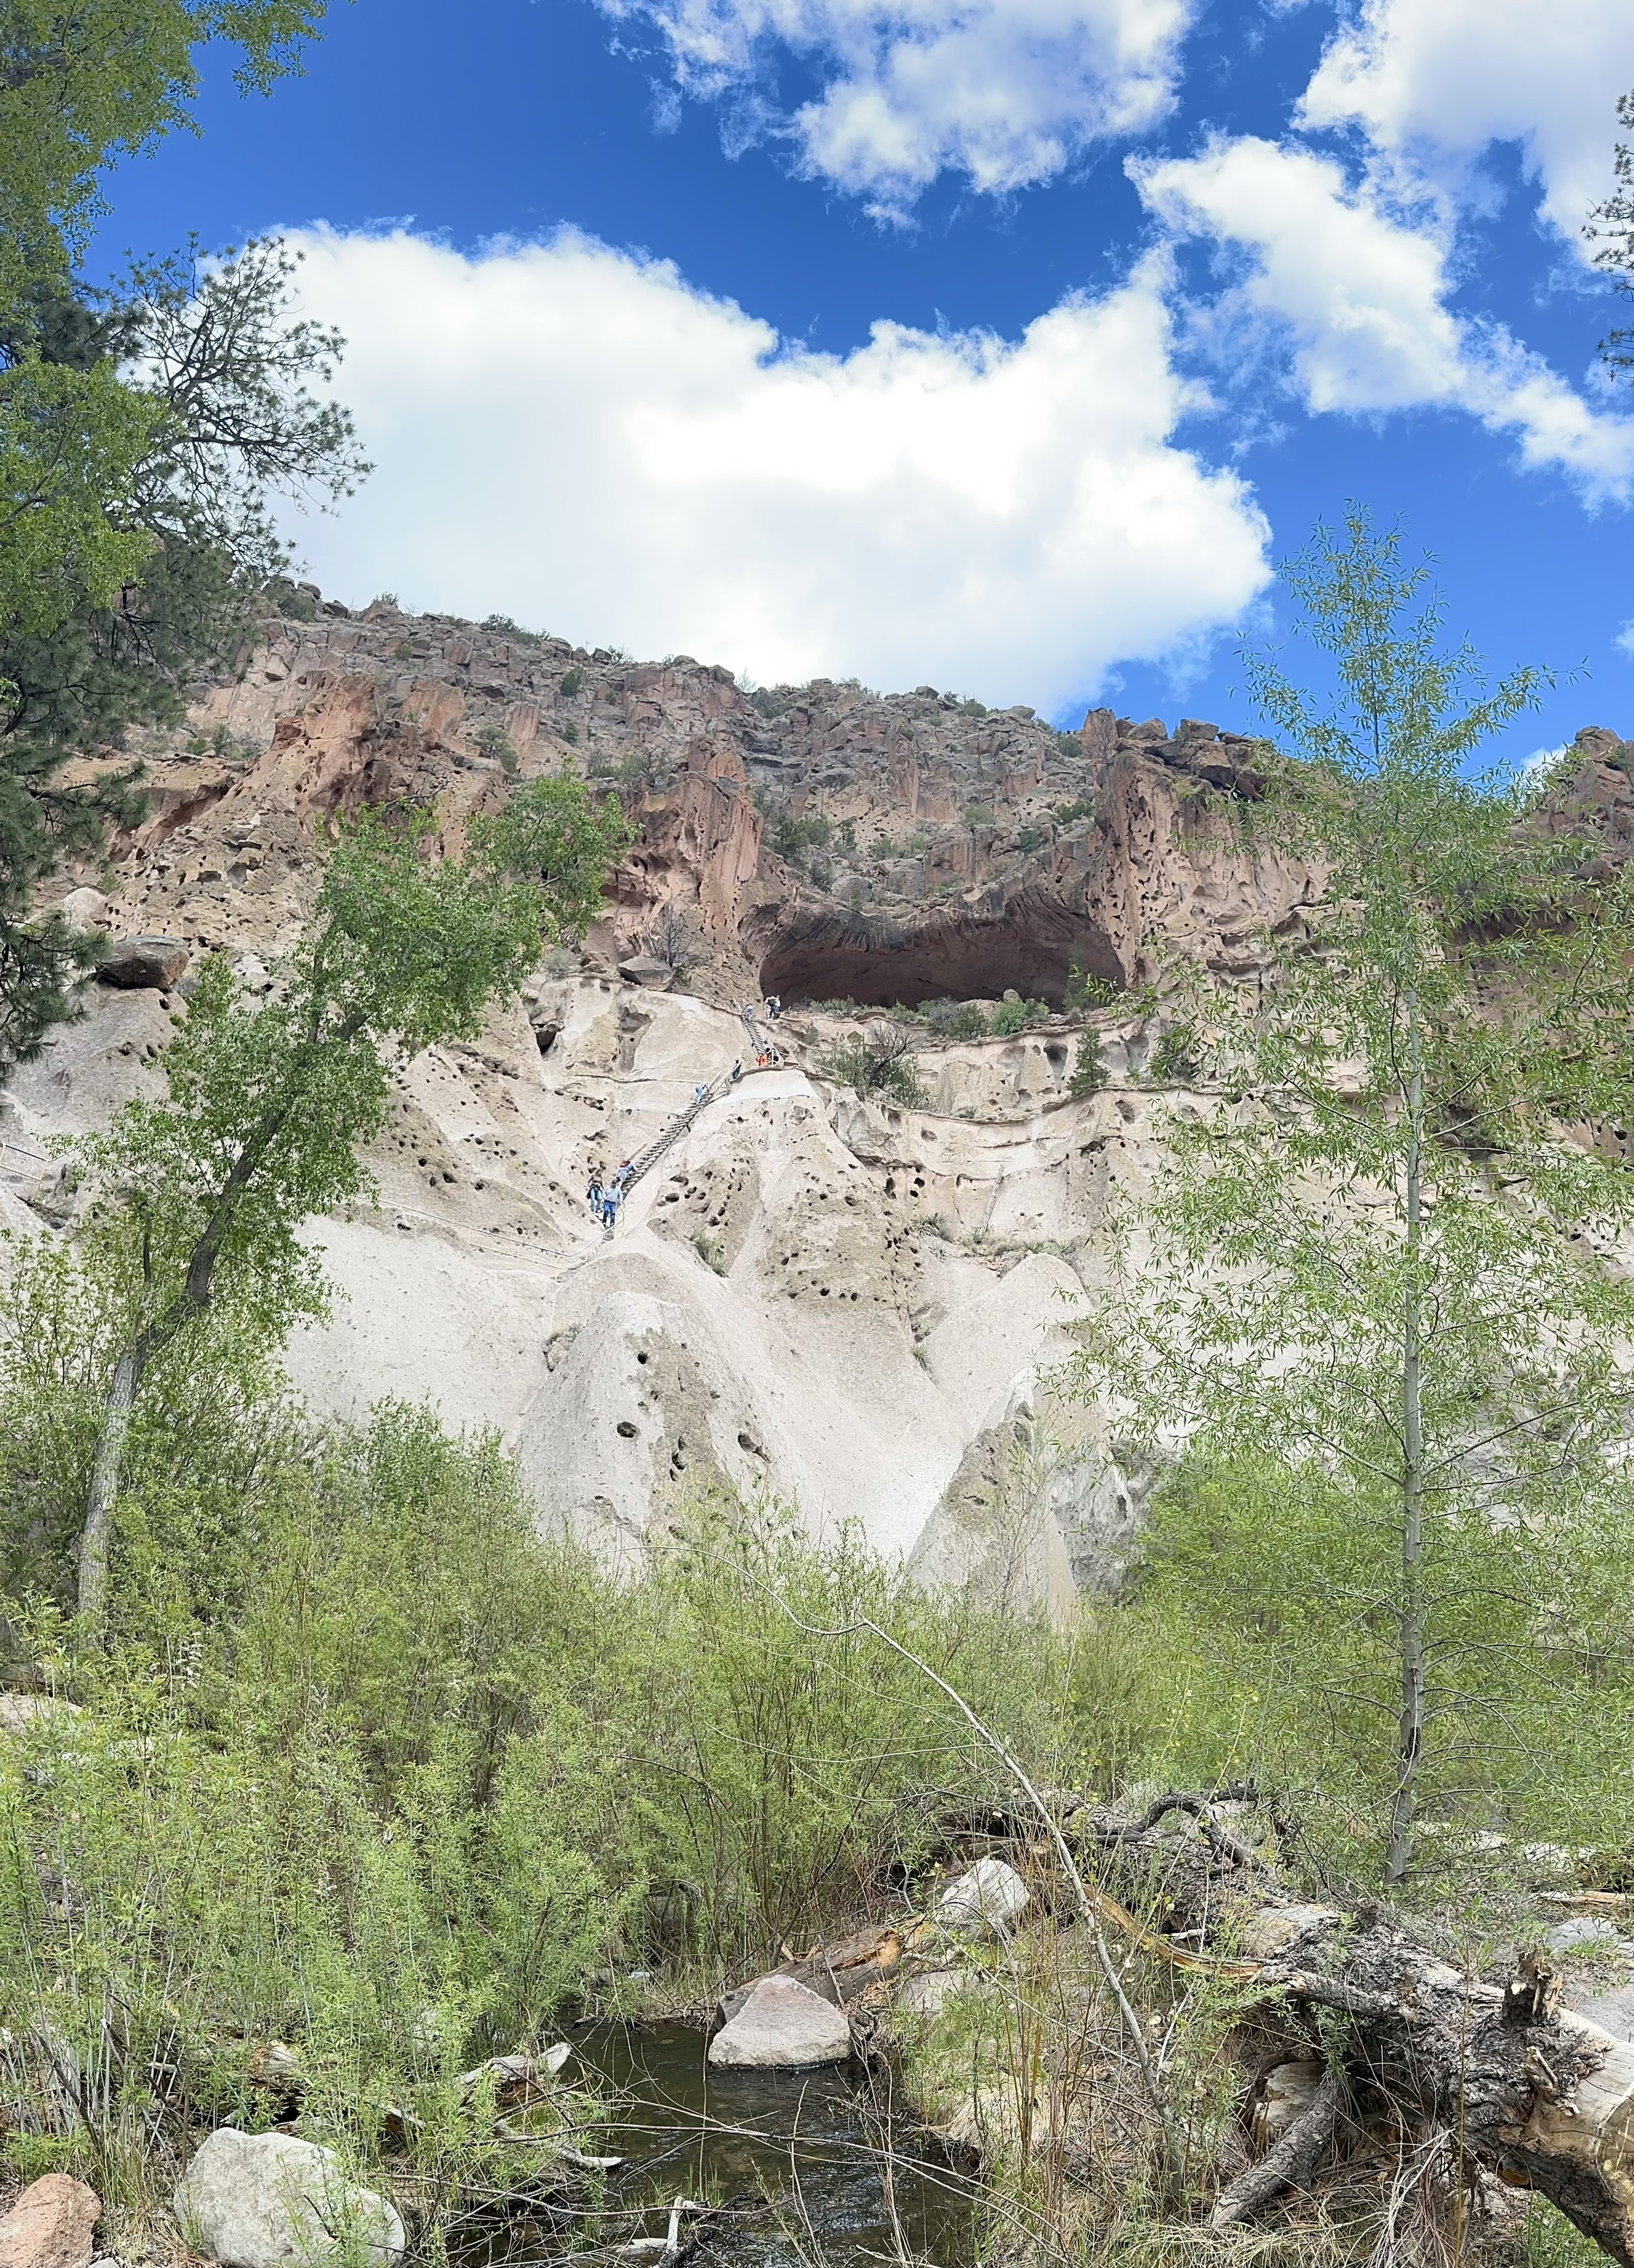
(879, 964)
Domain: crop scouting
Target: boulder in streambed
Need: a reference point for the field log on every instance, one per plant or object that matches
(989, 1896)
(783, 2026)
(268, 2200)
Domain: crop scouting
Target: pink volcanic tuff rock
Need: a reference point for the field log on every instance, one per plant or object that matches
(783, 2026)
(50, 2225)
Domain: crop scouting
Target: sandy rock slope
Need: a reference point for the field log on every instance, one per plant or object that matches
(862, 1311)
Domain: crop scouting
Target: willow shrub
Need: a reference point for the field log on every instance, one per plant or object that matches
(370, 1768)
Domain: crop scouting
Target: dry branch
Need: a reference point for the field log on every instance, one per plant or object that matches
(1538, 2095)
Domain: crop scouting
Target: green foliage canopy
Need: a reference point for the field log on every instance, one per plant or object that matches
(142, 427)
(1380, 1270)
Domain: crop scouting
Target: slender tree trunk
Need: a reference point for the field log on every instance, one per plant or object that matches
(110, 1457)
(1410, 1743)
(194, 1298)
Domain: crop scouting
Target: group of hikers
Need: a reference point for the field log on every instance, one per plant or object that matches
(604, 1198)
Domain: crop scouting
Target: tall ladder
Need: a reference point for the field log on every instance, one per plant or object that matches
(760, 1047)
(644, 1160)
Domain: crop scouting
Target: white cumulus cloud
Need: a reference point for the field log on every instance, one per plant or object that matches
(1434, 82)
(573, 436)
(1005, 91)
(1359, 294)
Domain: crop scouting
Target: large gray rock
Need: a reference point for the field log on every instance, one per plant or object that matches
(643, 969)
(926, 1992)
(21, 1712)
(783, 2026)
(139, 963)
(262, 2200)
(988, 1898)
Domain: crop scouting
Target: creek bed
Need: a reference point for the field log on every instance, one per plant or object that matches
(812, 2142)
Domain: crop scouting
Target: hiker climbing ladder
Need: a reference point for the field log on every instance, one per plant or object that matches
(765, 1056)
(605, 1201)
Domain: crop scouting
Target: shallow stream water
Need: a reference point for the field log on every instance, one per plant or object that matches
(811, 2142)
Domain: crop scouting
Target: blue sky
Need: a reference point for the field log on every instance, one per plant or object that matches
(1001, 344)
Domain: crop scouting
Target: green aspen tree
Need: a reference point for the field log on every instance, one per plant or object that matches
(1373, 1263)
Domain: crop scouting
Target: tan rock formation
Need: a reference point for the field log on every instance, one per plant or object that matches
(857, 1308)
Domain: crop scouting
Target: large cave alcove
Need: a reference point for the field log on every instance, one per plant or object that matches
(1031, 948)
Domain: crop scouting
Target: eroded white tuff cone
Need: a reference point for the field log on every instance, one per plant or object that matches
(262, 2200)
(988, 1898)
(783, 2026)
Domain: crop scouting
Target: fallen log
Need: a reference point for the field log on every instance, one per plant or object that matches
(1541, 2096)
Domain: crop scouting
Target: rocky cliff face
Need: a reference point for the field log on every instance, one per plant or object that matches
(859, 1308)
(822, 842)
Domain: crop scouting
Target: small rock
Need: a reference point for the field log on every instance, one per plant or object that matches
(276, 2065)
(783, 2026)
(989, 1896)
(1597, 1936)
(20, 1713)
(82, 907)
(139, 963)
(51, 2224)
(924, 1994)
(261, 2200)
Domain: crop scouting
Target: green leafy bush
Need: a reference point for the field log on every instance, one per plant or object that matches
(1085, 992)
(393, 1789)
(495, 741)
(880, 1064)
(1177, 1058)
(1012, 1016)
(792, 836)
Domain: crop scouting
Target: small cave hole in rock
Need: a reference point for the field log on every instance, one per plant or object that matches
(626, 1430)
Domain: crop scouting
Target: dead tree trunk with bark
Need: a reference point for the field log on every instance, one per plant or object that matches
(1520, 2085)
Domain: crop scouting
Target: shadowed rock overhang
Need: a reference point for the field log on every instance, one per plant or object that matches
(1032, 946)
